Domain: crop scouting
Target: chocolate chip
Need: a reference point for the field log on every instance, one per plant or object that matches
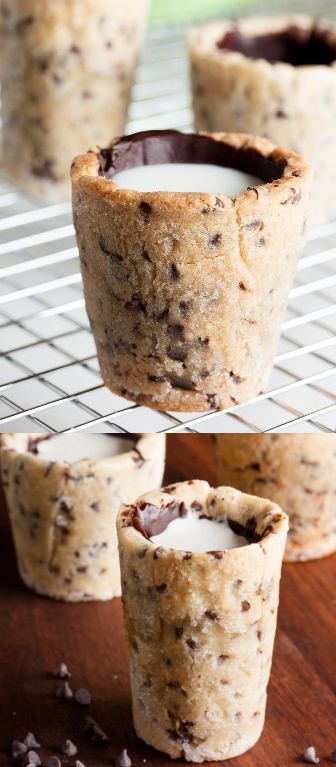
(136, 305)
(145, 209)
(256, 224)
(184, 306)
(178, 353)
(215, 240)
(64, 691)
(75, 49)
(162, 315)
(162, 587)
(211, 614)
(145, 255)
(108, 252)
(68, 748)
(203, 341)
(157, 379)
(32, 758)
(333, 755)
(176, 331)
(174, 273)
(94, 731)
(178, 632)
(95, 506)
(245, 606)
(196, 505)
(309, 755)
(192, 644)
(212, 400)
(18, 748)
(53, 761)
(62, 672)
(219, 203)
(242, 286)
(222, 658)
(123, 759)
(82, 696)
(31, 742)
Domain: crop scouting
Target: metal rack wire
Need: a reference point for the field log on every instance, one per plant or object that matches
(49, 377)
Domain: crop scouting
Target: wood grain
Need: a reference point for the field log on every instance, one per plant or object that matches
(37, 633)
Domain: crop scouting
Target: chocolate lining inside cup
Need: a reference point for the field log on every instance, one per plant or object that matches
(169, 146)
(150, 520)
(293, 45)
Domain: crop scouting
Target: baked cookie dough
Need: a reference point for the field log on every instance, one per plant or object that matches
(200, 625)
(274, 76)
(184, 307)
(67, 69)
(63, 515)
(297, 471)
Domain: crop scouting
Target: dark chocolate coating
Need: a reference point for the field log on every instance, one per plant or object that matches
(294, 45)
(170, 146)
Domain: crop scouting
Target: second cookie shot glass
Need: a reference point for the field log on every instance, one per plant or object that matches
(186, 288)
(200, 607)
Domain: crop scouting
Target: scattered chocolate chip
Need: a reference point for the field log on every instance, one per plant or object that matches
(178, 632)
(123, 759)
(192, 644)
(62, 672)
(256, 224)
(161, 588)
(108, 252)
(174, 273)
(53, 761)
(215, 240)
(68, 748)
(82, 696)
(176, 331)
(222, 658)
(242, 286)
(309, 755)
(33, 759)
(333, 755)
(162, 315)
(157, 379)
(146, 256)
(211, 614)
(211, 399)
(145, 209)
(203, 341)
(31, 742)
(178, 353)
(245, 606)
(95, 506)
(184, 306)
(94, 731)
(64, 691)
(18, 748)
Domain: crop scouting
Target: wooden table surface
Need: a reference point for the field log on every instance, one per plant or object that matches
(36, 634)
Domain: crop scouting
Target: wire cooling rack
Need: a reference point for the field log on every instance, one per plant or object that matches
(49, 376)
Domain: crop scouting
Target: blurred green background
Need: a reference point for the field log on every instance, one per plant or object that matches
(191, 10)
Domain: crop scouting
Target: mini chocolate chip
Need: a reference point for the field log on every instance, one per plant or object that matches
(31, 742)
(196, 505)
(222, 658)
(68, 748)
(309, 755)
(123, 759)
(62, 672)
(215, 240)
(219, 203)
(157, 379)
(94, 731)
(64, 691)
(192, 644)
(211, 614)
(178, 353)
(32, 758)
(212, 400)
(95, 506)
(135, 304)
(162, 315)
(256, 224)
(216, 554)
(176, 331)
(178, 632)
(162, 587)
(18, 748)
(203, 341)
(75, 49)
(82, 696)
(145, 209)
(108, 252)
(146, 256)
(184, 306)
(53, 761)
(174, 273)
(245, 606)
(187, 555)
(242, 286)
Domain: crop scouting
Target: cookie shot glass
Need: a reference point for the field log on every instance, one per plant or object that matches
(200, 570)
(63, 493)
(184, 307)
(297, 471)
(67, 69)
(274, 76)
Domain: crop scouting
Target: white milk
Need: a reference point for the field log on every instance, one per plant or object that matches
(76, 447)
(185, 177)
(190, 533)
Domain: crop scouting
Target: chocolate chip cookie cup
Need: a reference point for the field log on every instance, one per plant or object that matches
(297, 471)
(274, 76)
(67, 69)
(200, 625)
(63, 515)
(186, 291)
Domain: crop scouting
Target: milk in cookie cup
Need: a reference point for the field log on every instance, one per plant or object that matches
(67, 68)
(297, 471)
(186, 290)
(63, 493)
(274, 76)
(200, 623)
